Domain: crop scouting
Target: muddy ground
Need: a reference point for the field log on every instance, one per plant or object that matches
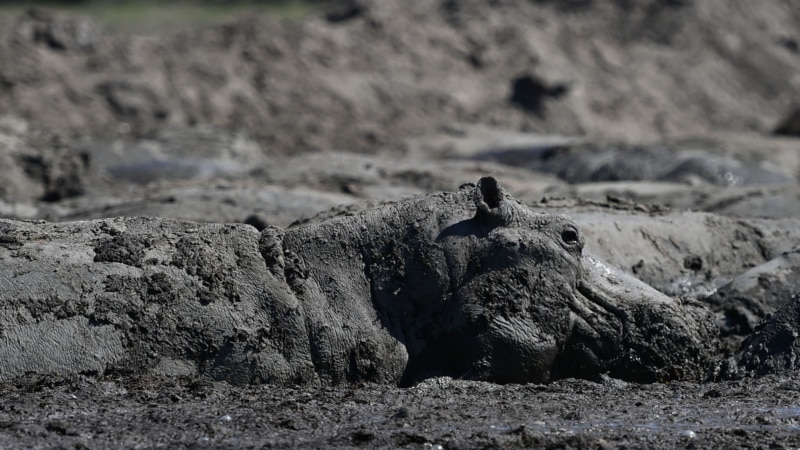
(626, 115)
(439, 413)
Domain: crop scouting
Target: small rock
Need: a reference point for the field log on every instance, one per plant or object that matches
(688, 434)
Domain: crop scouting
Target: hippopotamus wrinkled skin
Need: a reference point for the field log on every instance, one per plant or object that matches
(468, 284)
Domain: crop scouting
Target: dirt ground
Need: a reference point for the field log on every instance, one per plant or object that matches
(625, 114)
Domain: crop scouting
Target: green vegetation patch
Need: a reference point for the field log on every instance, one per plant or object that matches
(155, 14)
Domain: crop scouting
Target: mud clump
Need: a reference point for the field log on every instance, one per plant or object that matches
(773, 347)
(531, 93)
(121, 248)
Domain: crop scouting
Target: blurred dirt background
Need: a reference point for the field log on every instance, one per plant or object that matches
(274, 113)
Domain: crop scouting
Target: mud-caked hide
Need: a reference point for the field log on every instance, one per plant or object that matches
(468, 284)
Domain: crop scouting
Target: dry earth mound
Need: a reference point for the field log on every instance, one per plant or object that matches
(385, 71)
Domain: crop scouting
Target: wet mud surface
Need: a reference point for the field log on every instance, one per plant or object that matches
(671, 140)
(439, 413)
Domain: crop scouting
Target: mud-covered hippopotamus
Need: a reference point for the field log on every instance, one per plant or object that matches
(469, 284)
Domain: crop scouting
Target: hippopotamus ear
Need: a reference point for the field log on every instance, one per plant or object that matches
(491, 201)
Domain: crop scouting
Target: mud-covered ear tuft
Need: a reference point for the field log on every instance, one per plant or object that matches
(489, 198)
(490, 192)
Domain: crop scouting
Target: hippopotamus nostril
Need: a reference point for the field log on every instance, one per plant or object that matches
(570, 235)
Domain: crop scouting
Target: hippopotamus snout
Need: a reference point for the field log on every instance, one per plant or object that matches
(631, 331)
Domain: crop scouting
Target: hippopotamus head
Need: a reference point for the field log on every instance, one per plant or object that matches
(523, 302)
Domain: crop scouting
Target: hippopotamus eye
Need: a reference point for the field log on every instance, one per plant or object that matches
(570, 236)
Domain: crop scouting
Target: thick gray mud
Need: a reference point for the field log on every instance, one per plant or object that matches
(667, 130)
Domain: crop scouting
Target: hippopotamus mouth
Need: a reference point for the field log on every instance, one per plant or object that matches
(629, 330)
(607, 286)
